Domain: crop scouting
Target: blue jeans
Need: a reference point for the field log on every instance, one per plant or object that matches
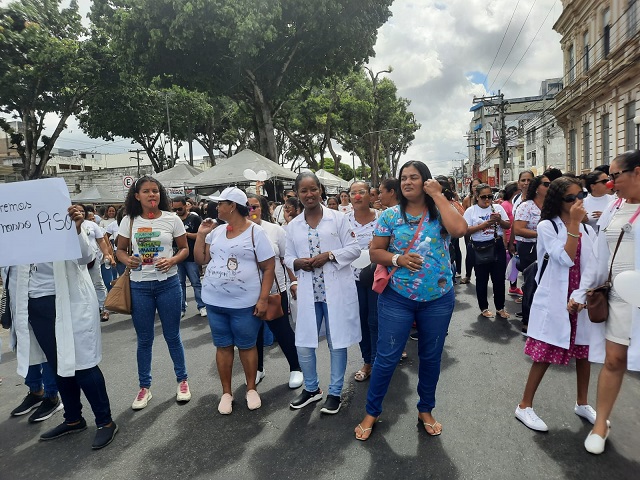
(146, 298)
(307, 358)
(368, 303)
(42, 318)
(42, 376)
(191, 270)
(396, 314)
(108, 274)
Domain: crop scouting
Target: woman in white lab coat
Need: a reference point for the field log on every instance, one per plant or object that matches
(558, 333)
(320, 248)
(616, 343)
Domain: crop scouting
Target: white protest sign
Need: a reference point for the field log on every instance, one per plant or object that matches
(175, 191)
(34, 225)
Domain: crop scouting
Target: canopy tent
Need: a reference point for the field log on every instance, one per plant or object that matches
(330, 180)
(177, 176)
(230, 171)
(98, 194)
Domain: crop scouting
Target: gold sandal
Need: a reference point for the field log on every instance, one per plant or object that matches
(430, 425)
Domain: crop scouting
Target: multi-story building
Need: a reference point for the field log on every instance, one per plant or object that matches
(599, 107)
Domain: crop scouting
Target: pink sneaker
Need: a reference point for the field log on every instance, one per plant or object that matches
(515, 291)
(141, 401)
(183, 394)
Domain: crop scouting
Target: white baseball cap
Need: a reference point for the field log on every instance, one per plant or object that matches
(231, 194)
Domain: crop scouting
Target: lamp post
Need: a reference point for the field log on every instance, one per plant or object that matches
(166, 102)
(353, 163)
(636, 120)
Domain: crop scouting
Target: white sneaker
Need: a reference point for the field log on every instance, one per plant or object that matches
(530, 419)
(259, 376)
(586, 412)
(203, 312)
(295, 379)
(183, 393)
(141, 401)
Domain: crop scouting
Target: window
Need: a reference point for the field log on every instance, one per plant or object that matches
(629, 126)
(572, 60)
(586, 145)
(585, 51)
(606, 31)
(533, 158)
(572, 151)
(605, 139)
(632, 18)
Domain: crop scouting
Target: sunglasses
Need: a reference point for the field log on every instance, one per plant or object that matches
(486, 197)
(604, 180)
(253, 207)
(573, 198)
(178, 209)
(546, 184)
(614, 176)
(290, 196)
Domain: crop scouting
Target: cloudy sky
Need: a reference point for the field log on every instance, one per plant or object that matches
(442, 54)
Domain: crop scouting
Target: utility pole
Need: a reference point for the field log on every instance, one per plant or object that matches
(166, 102)
(500, 104)
(137, 152)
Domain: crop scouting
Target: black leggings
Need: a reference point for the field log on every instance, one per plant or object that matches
(456, 254)
(470, 259)
(495, 271)
(281, 329)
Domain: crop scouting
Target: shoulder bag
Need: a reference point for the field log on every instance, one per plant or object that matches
(274, 302)
(119, 297)
(485, 252)
(382, 274)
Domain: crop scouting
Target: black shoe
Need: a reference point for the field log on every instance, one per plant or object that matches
(305, 398)
(414, 336)
(331, 405)
(519, 314)
(30, 402)
(104, 436)
(64, 429)
(47, 408)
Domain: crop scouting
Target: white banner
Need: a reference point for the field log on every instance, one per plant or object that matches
(175, 191)
(34, 225)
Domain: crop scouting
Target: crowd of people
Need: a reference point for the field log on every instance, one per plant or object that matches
(367, 267)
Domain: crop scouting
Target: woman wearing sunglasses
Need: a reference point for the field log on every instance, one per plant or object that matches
(616, 342)
(599, 196)
(557, 333)
(487, 223)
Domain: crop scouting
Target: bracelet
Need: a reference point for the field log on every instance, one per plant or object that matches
(573, 235)
(394, 260)
(295, 282)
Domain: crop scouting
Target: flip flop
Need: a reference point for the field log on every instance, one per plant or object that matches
(431, 425)
(486, 313)
(363, 431)
(361, 375)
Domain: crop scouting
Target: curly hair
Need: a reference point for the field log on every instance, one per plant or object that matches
(533, 186)
(552, 205)
(132, 204)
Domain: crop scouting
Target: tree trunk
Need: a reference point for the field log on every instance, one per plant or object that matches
(264, 122)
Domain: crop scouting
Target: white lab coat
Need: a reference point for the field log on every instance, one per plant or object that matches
(602, 257)
(77, 326)
(337, 237)
(549, 319)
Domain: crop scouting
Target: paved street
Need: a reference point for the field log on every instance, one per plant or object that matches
(483, 375)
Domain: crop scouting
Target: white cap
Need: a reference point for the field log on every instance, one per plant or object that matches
(231, 194)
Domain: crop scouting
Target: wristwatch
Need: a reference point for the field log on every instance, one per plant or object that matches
(332, 257)
(394, 260)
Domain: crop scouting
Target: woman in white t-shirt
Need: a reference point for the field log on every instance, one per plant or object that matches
(487, 223)
(154, 278)
(237, 255)
(599, 197)
(345, 205)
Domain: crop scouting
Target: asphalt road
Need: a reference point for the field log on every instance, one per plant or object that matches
(483, 374)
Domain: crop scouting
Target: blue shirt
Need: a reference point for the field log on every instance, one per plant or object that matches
(435, 278)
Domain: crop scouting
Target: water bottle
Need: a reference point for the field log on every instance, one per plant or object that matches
(107, 264)
(139, 267)
(160, 275)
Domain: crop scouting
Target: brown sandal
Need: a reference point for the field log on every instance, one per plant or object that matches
(486, 313)
(504, 314)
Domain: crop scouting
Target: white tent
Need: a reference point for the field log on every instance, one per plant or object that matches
(230, 171)
(329, 180)
(98, 194)
(177, 176)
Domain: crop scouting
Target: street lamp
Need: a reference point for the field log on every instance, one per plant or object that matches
(166, 102)
(636, 120)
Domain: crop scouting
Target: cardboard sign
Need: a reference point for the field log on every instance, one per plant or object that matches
(34, 225)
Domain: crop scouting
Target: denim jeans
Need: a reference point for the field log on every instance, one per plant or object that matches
(42, 376)
(496, 271)
(283, 333)
(42, 318)
(108, 275)
(191, 270)
(98, 284)
(368, 303)
(396, 314)
(146, 298)
(307, 358)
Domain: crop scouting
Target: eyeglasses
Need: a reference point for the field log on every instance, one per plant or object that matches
(573, 198)
(486, 197)
(359, 192)
(546, 184)
(253, 207)
(614, 176)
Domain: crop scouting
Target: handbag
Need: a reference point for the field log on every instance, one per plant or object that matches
(274, 301)
(598, 297)
(119, 297)
(5, 306)
(382, 275)
(485, 252)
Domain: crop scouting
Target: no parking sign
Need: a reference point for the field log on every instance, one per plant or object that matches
(127, 181)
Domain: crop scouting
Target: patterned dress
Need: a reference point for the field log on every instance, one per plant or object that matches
(543, 352)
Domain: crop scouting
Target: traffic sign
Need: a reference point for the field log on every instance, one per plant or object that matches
(127, 181)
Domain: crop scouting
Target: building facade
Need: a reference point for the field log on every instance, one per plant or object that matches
(599, 107)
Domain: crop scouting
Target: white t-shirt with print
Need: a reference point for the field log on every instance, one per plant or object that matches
(345, 208)
(596, 204)
(278, 238)
(152, 239)
(475, 215)
(94, 233)
(231, 279)
(529, 212)
(364, 235)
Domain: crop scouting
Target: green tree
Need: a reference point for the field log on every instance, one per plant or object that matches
(259, 52)
(346, 172)
(50, 65)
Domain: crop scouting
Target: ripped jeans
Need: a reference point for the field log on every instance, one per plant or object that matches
(396, 314)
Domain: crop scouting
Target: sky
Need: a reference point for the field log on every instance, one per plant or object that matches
(443, 53)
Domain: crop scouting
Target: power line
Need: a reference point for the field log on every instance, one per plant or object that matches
(501, 42)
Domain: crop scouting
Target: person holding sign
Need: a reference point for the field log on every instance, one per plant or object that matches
(55, 316)
(154, 278)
